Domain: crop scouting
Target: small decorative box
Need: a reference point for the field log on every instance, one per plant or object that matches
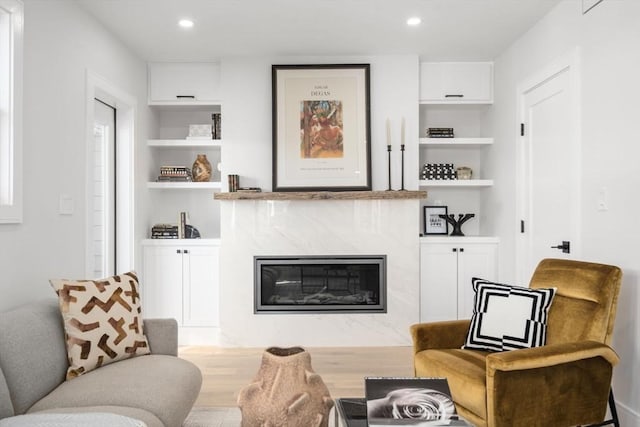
(200, 131)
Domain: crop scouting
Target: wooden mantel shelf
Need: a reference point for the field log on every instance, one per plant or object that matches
(324, 195)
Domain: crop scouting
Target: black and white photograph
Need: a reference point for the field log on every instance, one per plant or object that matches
(409, 401)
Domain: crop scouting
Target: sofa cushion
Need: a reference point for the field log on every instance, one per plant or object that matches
(33, 357)
(71, 420)
(102, 321)
(508, 317)
(139, 414)
(166, 386)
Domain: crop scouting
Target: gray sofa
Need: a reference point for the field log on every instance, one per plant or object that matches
(158, 389)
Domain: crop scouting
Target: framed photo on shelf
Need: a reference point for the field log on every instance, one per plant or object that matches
(433, 224)
(321, 127)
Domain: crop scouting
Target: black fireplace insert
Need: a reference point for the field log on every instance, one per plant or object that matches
(320, 284)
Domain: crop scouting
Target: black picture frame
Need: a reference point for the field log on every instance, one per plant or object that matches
(432, 223)
(321, 127)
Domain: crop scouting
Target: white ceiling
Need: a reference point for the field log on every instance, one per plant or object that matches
(471, 30)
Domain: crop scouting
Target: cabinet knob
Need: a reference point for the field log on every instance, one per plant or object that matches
(178, 251)
(454, 249)
(461, 249)
(186, 251)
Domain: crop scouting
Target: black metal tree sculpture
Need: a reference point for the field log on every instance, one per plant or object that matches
(457, 224)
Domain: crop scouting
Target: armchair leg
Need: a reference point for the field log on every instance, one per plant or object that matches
(614, 413)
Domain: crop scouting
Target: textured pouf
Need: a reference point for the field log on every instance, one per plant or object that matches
(285, 392)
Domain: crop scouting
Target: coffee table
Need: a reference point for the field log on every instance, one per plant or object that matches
(352, 412)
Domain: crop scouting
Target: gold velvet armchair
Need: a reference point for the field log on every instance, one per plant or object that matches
(566, 382)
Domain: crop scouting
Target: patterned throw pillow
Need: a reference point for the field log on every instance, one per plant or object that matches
(508, 317)
(102, 321)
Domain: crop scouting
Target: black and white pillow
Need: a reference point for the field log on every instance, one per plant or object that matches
(508, 317)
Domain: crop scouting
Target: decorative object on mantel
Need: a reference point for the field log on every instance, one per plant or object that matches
(402, 154)
(249, 190)
(457, 224)
(234, 182)
(285, 392)
(464, 172)
(321, 127)
(389, 152)
(201, 169)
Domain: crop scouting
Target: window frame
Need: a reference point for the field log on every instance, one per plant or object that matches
(11, 197)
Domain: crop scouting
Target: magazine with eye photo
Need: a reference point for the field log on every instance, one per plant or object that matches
(410, 402)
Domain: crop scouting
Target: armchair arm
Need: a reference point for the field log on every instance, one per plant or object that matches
(448, 334)
(557, 384)
(162, 335)
(549, 355)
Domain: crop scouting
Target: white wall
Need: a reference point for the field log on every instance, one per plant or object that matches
(608, 39)
(61, 42)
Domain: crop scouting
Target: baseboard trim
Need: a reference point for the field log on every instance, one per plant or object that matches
(627, 416)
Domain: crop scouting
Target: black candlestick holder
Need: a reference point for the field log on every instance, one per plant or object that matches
(402, 170)
(389, 165)
(457, 224)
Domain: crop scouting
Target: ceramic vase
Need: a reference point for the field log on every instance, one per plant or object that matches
(201, 170)
(285, 392)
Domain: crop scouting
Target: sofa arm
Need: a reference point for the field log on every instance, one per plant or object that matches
(162, 335)
(448, 334)
(549, 355)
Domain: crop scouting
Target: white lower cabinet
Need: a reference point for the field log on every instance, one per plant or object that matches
(447, 265)
(181, 280)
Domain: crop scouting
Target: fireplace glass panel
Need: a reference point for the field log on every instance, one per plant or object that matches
(312, 284)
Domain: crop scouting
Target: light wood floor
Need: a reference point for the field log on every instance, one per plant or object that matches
(226, 371)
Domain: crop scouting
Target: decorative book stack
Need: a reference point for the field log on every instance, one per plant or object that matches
(164, 231)
(440, 132)
(438, 171)
(174, 174)
(217, 125)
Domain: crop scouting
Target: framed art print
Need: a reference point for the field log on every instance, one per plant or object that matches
(321, 127)
(433, 224)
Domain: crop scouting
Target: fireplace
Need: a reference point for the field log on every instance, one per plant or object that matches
(320, 284)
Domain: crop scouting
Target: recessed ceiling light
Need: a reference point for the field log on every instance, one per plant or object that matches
(185, 23)
(413, 21)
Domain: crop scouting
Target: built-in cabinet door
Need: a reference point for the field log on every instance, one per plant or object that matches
(456, 82)
(162, 283)
(438, 278)
(200, 297)
(188, 83)
(474, 260)
(447, 266)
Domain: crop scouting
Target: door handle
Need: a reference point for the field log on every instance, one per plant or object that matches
(565, 246)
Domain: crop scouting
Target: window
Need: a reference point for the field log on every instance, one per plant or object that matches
(11, 18)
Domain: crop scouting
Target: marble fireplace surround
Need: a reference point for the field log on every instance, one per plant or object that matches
(319, 223)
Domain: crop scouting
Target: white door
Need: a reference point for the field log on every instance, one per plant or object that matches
(550, 159)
